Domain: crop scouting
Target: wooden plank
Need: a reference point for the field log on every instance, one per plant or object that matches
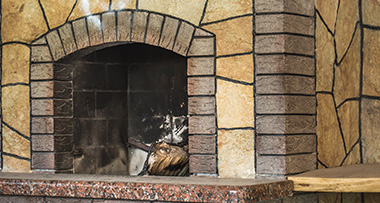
(353, 178)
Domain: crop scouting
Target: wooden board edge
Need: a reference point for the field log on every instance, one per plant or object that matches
(309, 184)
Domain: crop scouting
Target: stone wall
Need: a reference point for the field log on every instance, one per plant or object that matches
(348, 88)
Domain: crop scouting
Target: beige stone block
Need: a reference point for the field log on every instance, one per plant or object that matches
(55, 45)
(320, 166)
(40, 54)
(14, 143)
(94, 25)
(123, 4)
(86, 7)
(236, 154)
(169, 32)
(348, 16)
(233, 36)
(15, 64)
(353, 157)
(80, 33)
(41, 71)
(139, 26)
(57, 11)
(236, 67)
(67, 37)
(15, 165)
(349, 119)
(328, 11)
(347, 74)
(371, 12)
(305, 7)
(370, 130)
(324, 56)
(21, 21)
(235, 104)
(124, 20)
(109, 26)
(285, 23)
(330, 144)
(154, 29)
(184, 9)
(16, 108)
(222, 9)
(371, 61)
(184, 36)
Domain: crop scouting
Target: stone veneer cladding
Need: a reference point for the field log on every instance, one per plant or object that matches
(347, 73)
(75, 34)
(282, 80)
(286, 65)
(285, 87)
(340, 28)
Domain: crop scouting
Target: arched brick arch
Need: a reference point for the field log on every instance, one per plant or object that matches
(111, 28)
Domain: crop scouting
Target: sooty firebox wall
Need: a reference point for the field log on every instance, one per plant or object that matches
(118, 93)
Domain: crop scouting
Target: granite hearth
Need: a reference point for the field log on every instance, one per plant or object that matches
(98, 188)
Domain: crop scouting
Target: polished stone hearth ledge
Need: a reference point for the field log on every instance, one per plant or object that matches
(188, 189)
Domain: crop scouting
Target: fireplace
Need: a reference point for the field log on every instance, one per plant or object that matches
(247, 84)
(106, 93)
(238, 98)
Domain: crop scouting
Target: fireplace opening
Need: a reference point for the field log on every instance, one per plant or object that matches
(111, 104)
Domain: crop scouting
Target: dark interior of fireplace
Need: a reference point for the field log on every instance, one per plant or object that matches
(119, 94)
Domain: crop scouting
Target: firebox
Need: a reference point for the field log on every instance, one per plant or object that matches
(119, 93)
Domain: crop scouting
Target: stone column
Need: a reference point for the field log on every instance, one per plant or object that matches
(285, 87)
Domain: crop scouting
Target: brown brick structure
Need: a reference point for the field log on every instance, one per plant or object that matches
(285, 87)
